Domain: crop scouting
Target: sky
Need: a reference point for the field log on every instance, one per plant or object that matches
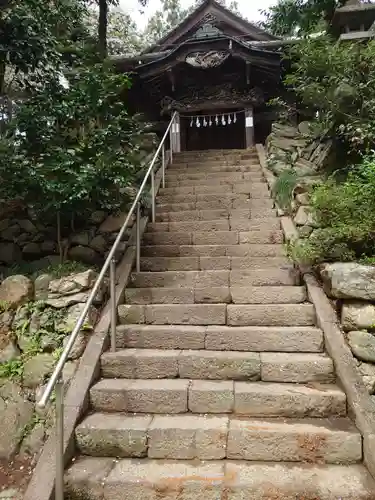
(249, 9)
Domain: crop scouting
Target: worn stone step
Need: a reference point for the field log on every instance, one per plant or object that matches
(240, 187)
(190, 364)
(207, 263)
(216, 278)
(180, 279)
(265, 224)
(189, 437)
(267, 294)
(254, 399)
(199, 179)
(130, 479)
(264, 277)
(208, 215)
(224, 224)
(214, 167)
(213, 237)
(218, 365)
(296, 367)
(217, 203)
(212, 197)
(271, 315)
(173, 314)
(170, 264)
(161, 295)
(216, 295)
(221, 338)
(310, 440)
(190, 226)
(244, 250)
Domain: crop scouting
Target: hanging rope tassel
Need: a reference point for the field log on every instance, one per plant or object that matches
(210, 122)
(204, 122)
(217, 120)
(198, 123)
(235, 118)
(223, 120)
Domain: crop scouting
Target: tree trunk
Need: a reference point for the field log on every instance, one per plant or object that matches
(102, 27)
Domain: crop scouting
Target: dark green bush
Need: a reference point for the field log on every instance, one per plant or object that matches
(345, 214)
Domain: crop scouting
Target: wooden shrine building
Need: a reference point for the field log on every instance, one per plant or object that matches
(217, 71)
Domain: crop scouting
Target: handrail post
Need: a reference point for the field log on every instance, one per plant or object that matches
(138, 238)
(163, 165)
(153, 195)
(171, 135)
(59, 481)
(112, 287)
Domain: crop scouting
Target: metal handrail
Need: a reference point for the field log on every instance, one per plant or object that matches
(55, 381)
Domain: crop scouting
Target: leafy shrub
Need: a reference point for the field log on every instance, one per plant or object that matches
(333, 82)
(74, 149)
(283, 188)
(345, 214)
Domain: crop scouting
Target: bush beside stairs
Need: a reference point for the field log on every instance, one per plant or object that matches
(220, 388)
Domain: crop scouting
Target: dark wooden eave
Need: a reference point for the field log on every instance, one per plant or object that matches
(236, 48)
(238, 25)
(361, 13)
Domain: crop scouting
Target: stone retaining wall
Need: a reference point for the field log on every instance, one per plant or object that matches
(350, 286)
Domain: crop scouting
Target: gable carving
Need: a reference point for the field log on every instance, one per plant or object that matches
(207, 30)
(204, 60)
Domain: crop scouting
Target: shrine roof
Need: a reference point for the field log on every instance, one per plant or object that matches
(208, 11)
(354, 11)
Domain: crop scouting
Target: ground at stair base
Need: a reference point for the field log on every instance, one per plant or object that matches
(220, 388)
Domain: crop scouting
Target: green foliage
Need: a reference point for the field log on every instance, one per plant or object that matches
(27, 429)
(31, 32)
(283, 188)
(12, 369)
(334, 81)
(65, 269)
(74, 148)
(298, 17)
(4, 306)
(345, 214)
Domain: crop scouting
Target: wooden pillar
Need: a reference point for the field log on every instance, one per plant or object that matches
(176, 135)
(249, 128)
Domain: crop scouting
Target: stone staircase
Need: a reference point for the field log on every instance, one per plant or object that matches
(220, 388)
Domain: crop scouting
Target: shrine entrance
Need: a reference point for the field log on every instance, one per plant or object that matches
(221, 130)
(217, 71)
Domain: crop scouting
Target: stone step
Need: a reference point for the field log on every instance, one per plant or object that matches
(173, 314)
(253, 214)
(216, 203)
(192, 437)
(244, 250)
(200, 179)
(217, 295)
(211, 197)
(216, 166)
(218, 314)
(240, 153)
(189, 226)
(207, 263)
(214, 278)
(237, 188)
(270, 315)
(130, 479)
(217, 365)
(213, 237)
(221, 338)
(224, 224)
(253, 399)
